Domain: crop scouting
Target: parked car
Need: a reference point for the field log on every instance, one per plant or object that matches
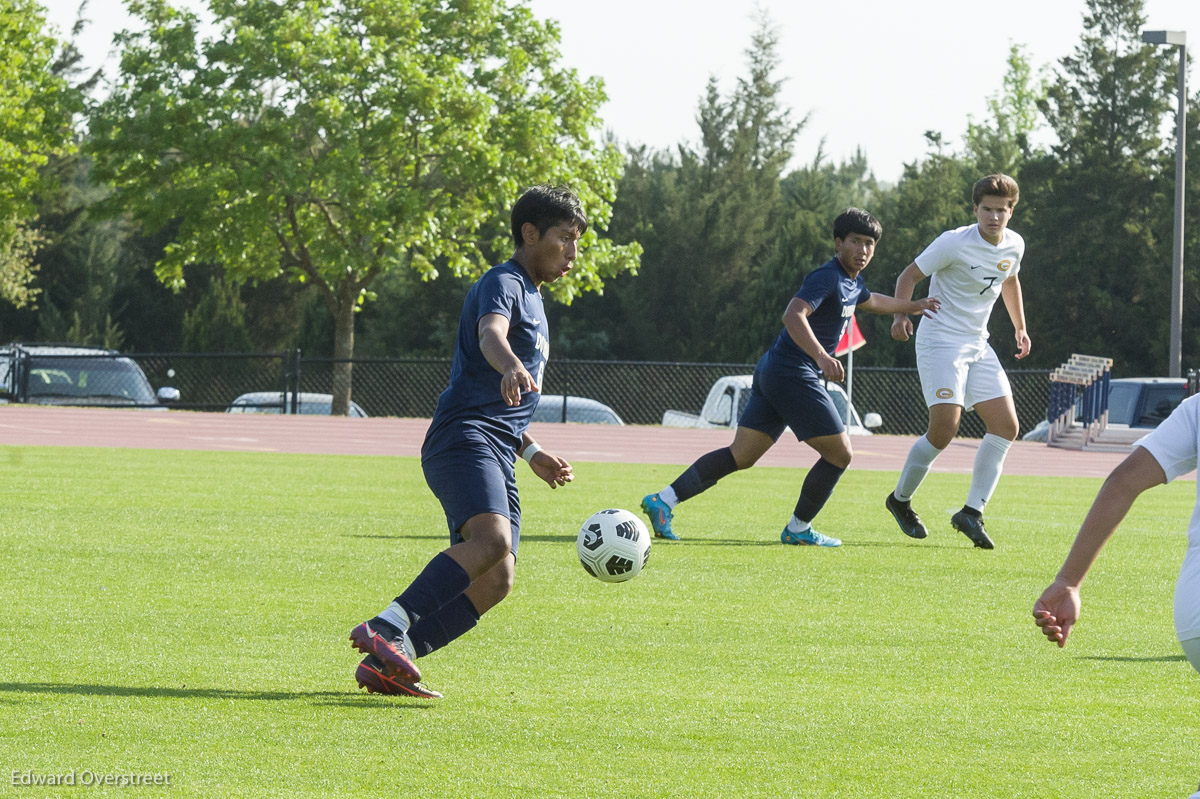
(559, 408)
(69, 374)
(308, 403)
(729, 396)
(1133, 402)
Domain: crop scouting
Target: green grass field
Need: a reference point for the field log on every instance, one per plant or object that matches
(186, 614)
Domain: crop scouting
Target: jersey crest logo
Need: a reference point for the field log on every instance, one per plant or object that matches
(944, 393)
(1004, 265)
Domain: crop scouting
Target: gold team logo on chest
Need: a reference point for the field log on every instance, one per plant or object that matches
(1005, 265)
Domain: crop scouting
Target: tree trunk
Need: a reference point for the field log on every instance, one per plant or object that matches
(343, 350)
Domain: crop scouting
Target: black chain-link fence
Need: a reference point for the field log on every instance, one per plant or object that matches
(639, 391)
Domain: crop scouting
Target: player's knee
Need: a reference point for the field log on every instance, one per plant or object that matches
(1006, 430)
(940, 437)
(744, 460)
(497, 583)
(492, 546)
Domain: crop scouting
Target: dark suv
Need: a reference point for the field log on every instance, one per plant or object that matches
(69, 374)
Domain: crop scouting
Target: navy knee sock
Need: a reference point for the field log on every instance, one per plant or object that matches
(704, 473)
(818, 485)
(435, 587)
(435, 631)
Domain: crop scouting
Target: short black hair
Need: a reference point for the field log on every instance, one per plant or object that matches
(544, 207)
(856, 220)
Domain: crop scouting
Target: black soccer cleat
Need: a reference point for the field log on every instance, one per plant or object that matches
(910, 523)
(378, 638)
(971, 526)
(372, 675)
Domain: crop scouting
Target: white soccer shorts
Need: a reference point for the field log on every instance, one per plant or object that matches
(961, 374)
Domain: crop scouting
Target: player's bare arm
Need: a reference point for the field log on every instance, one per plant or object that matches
(795, 320)
(1058, 608)
(1010, 291)
(493, 343)
(883, 304)
(551, 468)
(902, 327)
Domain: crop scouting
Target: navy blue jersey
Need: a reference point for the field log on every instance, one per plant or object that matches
(471, 408)
(833, 296)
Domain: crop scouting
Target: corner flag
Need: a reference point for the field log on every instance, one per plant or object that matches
(851, 340)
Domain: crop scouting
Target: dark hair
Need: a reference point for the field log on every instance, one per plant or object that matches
(996, 186)
(856, 220)
(546, 206)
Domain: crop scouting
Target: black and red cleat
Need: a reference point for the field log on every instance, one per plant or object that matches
(386, 643)
(370, 674)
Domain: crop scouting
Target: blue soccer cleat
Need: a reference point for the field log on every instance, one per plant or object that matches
(660, 516)
(809, 538)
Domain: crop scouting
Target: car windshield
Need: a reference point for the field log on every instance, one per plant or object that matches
(96, 378)
(1121, 397)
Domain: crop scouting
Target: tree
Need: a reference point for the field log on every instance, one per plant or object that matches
(707, 217)
(336, 140)
(36, 112)
(1002, 143)
(1099, 262)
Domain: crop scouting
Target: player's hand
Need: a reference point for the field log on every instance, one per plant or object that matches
(902, 327)
(551, 468)
(927, 307)
(516, 381)
(1023, 344)
(1056, 611)
(832, 368)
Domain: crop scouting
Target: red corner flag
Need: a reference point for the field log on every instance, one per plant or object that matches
(852, 339)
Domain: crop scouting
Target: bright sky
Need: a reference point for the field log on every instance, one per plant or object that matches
(877, 80)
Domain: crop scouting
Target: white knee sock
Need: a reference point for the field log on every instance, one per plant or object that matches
(916, 466)
(989, 462)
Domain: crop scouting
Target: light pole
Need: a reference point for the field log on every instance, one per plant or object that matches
(1176, 38)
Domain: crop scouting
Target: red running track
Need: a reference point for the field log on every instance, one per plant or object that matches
(31, 425)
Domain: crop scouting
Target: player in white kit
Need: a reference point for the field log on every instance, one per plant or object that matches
(1168, 452)
(969, 268)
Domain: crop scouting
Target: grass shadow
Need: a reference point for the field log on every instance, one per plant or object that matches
(345, 698)
(1133, 659)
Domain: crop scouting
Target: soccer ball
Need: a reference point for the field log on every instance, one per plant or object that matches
(613, 545)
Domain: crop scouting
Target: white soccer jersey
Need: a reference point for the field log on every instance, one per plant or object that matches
(965, 274)
(1174, 444)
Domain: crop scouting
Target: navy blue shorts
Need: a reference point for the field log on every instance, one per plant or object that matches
(794, 398)
(470, 478)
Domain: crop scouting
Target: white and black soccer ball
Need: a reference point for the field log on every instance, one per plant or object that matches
(613, 545)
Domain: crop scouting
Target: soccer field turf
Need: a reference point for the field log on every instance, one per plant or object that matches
(185, 614)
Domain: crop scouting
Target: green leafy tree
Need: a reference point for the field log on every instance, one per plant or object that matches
(336, 140)
(36, 113)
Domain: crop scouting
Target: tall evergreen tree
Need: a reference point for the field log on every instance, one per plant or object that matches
(1097, 278)
(707, 219)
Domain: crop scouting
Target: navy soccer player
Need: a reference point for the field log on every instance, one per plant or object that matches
(478, 430)
(788, 388)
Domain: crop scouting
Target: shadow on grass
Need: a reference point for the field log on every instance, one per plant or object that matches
(1132, 659)
(344, 698)
(552, 539)
(693, 542)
